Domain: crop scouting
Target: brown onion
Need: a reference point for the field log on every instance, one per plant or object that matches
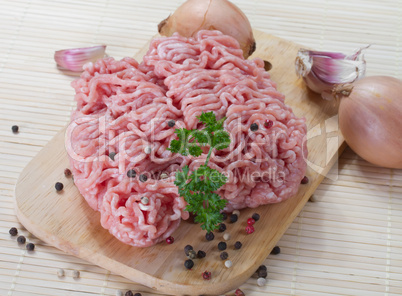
(370, 118)
(222, 15)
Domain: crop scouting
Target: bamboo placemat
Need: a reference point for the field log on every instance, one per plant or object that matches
(347, 242)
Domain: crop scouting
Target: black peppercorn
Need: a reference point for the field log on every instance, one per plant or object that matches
(254, 127)
(30, 246)
(129, 293)
(256, 217)
(131, 173)
(188, 264)
(222, 227)
(112, 155)
(143, 178)
(262, 273)
(222, 246)
(224, 255)
(238, 245)
(59, 186)
(262, 267)
(171, 123)
(21, 239)
(13, 231)
(233, 218)
(304, 180)
(15, 128)
(201, 254)
(209, 236)
(224, 216)
(137, 294)
(187, 249)
(276, 250)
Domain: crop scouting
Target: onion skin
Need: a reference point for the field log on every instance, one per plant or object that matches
(370, 119)
(222, 15)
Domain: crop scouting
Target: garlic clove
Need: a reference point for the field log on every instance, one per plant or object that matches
(322, 71)
(75, 58)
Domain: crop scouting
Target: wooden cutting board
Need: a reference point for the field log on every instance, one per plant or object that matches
(67, 222)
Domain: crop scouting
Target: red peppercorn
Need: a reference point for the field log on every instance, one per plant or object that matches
(250, 221)
(249, 229)
(206, 275)
(170, 240)
(268, 123)
(239, 292)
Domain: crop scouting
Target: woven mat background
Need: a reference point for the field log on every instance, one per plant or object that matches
(347, 242)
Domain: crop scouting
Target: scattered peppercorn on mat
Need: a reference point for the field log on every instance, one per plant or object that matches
(345, 242)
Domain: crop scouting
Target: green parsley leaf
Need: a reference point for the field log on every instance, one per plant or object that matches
(198, 188)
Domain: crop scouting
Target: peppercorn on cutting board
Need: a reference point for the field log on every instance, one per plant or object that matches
(67, 222)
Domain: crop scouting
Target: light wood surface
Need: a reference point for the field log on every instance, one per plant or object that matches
(67, 222)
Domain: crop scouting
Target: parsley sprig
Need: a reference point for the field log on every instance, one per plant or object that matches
(198, 187)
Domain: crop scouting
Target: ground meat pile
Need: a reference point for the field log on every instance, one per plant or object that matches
(118, 137)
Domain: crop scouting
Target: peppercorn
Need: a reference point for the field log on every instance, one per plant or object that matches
(250, 221)
(228, 263)
(222, 246)
(143, 178)
(137, 294)
(129, 293)
(15, 129)
(187, 249)
(268, 123)
(148, 150)
(13, 231)
(209, 236)
(170, 240)
(30, 247)
(239, 292)
(254, 127)
(206, 275)
(262, 267)
(67, 173)
(262, 273)
(222, 227)
(188, 264)
(21, 239)
(276, 250)
(224, 255)
(224, 216)
(249, 229)
(144, 200)
(256, 217)
(60, 272)
(76, 274)
(119, 293)
(226, 236)
(304, 180)
(131, 173)
(192, 254)
(59, 186)
(261, 282)
(164, 176)
(112, 155)
(201, 254)
(238, 245)
(171, 123)
(233, 218)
